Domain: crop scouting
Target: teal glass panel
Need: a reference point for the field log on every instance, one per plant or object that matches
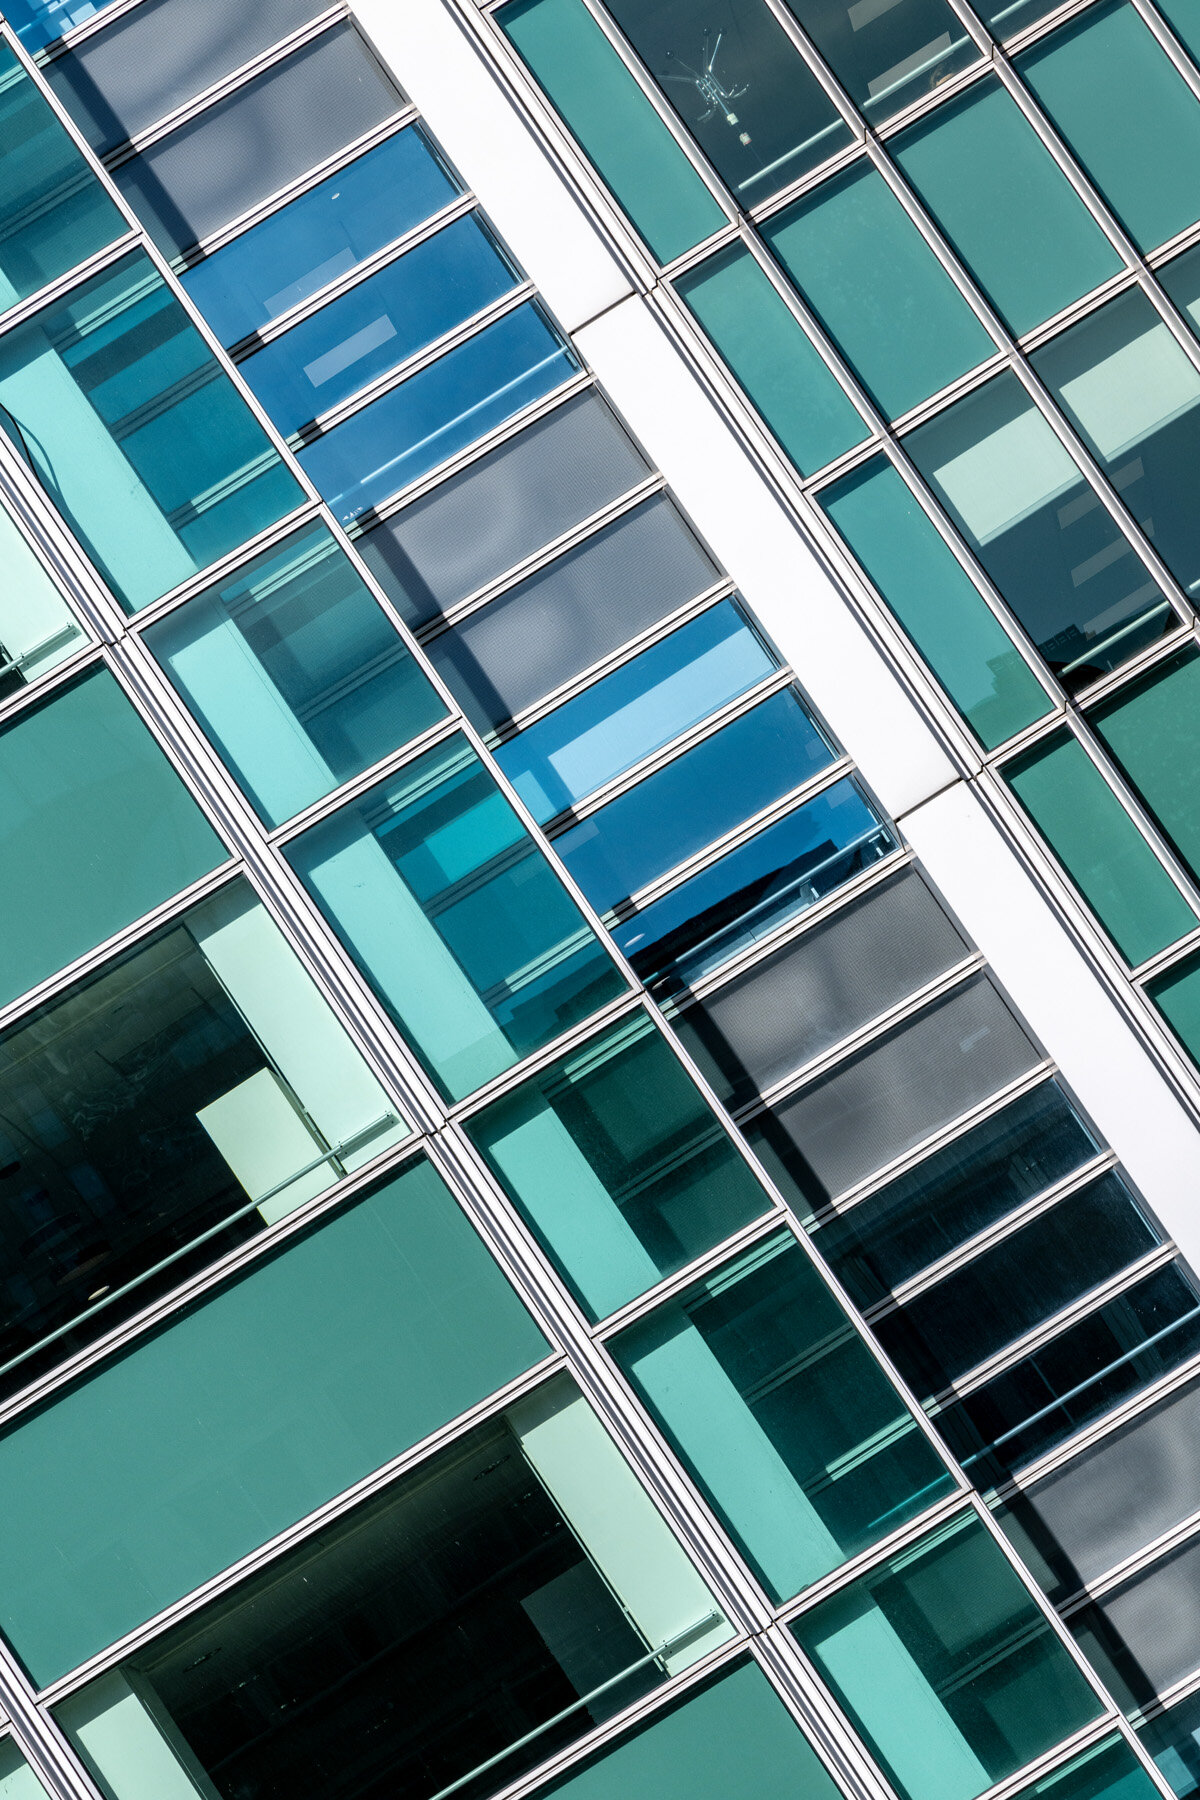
(734, 1740)
(878, 289)
(295, 674)
(1153, 731)
(1128, 115)
(1005, 205)
(1181, 278)
(1108, 1771)
(615, 123)
(136, 433)
(772, 359)
(936, 602)
(53, 210)
(887, 56)
(455, 916)
(240, 1417)
(1177, 997)
(619, 1165)
(17, 1779)
(38, 22)
(95, 829)
(1173, 1740)
(781, 1413)
(1184, 17)
(37, 627)
(1100, 847)
(947, 1667)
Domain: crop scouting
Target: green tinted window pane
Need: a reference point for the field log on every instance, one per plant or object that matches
(947, 1667)
(733, 1741)
(1005, 206)
(1173, 1740)
(1128, 115)
(772, 358)
(619, 1165)
(37, 627)
(1185, 17)
(1153, 731)
(17, 1779)
(782, 1414)
(935, 601)
(1101, 848)
(615, 123)
(1177, 996)
(1108, 1771)
(244, 1415)
(1181, 279)
(887, 56)
(878, 289)
(95, 829)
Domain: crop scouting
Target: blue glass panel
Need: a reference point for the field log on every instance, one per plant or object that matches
(384, 319)
(323, 235)
(634, 711)
(38, 22)
(438, 412)
(697, 798)
(781, 872)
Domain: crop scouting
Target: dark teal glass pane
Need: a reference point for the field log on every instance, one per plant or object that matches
(782, 1415)
(1153, 731)
(936, 602)
(438, 411)
(137, 434)
(1173, 1740)
(1177, 997)
(887, 56)
(53, 211)
(1108, 1771)
(947, 1667)
(456, 917)
(615, 123)
(295, 674)
(1005, 206)
(878, 289)
(321, 236)
(1181, 278)
(1183, 16)
(619, 1165)
(1128, 115)
(772, 359)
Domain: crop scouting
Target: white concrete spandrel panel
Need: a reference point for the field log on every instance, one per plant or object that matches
(1065, 1004)
(764, 552)
(496, 154)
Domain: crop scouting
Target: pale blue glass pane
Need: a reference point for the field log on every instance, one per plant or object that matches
(323, 235)
(1128, 115)
(693, 800)
(295, 673)
(878, 289)
(439, 411)
(780, 872)
(638, 708)
(1006, 207)
(384, 319)
(887, 55)
(455, 917)
(137, 434)
(38, 22)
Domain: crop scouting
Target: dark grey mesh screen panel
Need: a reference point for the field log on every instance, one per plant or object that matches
(1149, 1631)
(820, 988)
(225, 162)
(154, 59)
(585, 605)
(915, 1080)
(503, 508)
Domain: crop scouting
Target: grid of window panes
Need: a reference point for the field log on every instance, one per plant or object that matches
(398, 811)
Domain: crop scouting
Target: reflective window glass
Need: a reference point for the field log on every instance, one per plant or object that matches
(1181, 279)
(1108, 1771)
(438, 412)
(947, 1667)
(1005, 206)
(1151, 728)
(38, 22)
(741, 88)
(136, 433)
(37, 627)
(1173, 1740)
(782, 1415)
(887, 54)
(1039, 529)
(1142, 1636)
(878, 289)
(1183, 17)
(321, 236)
(619, 1165)
(517, 1590)
(17, 1779)
(1177, 997)
(455, 916)
(295, 673)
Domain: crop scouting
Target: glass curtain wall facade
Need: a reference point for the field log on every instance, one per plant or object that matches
(488, 1091)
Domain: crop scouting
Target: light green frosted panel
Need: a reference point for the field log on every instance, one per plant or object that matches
(1177, 997)
(288, 1386)
(768, 352)
(1101, 848)
(615, 123)
(1154, 733)
(878, 289)
(134, 1753)
(1006, 207)
(734, 1741)
(935, 601)
(95, 829)
(17, 1779)
(1128, 115)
